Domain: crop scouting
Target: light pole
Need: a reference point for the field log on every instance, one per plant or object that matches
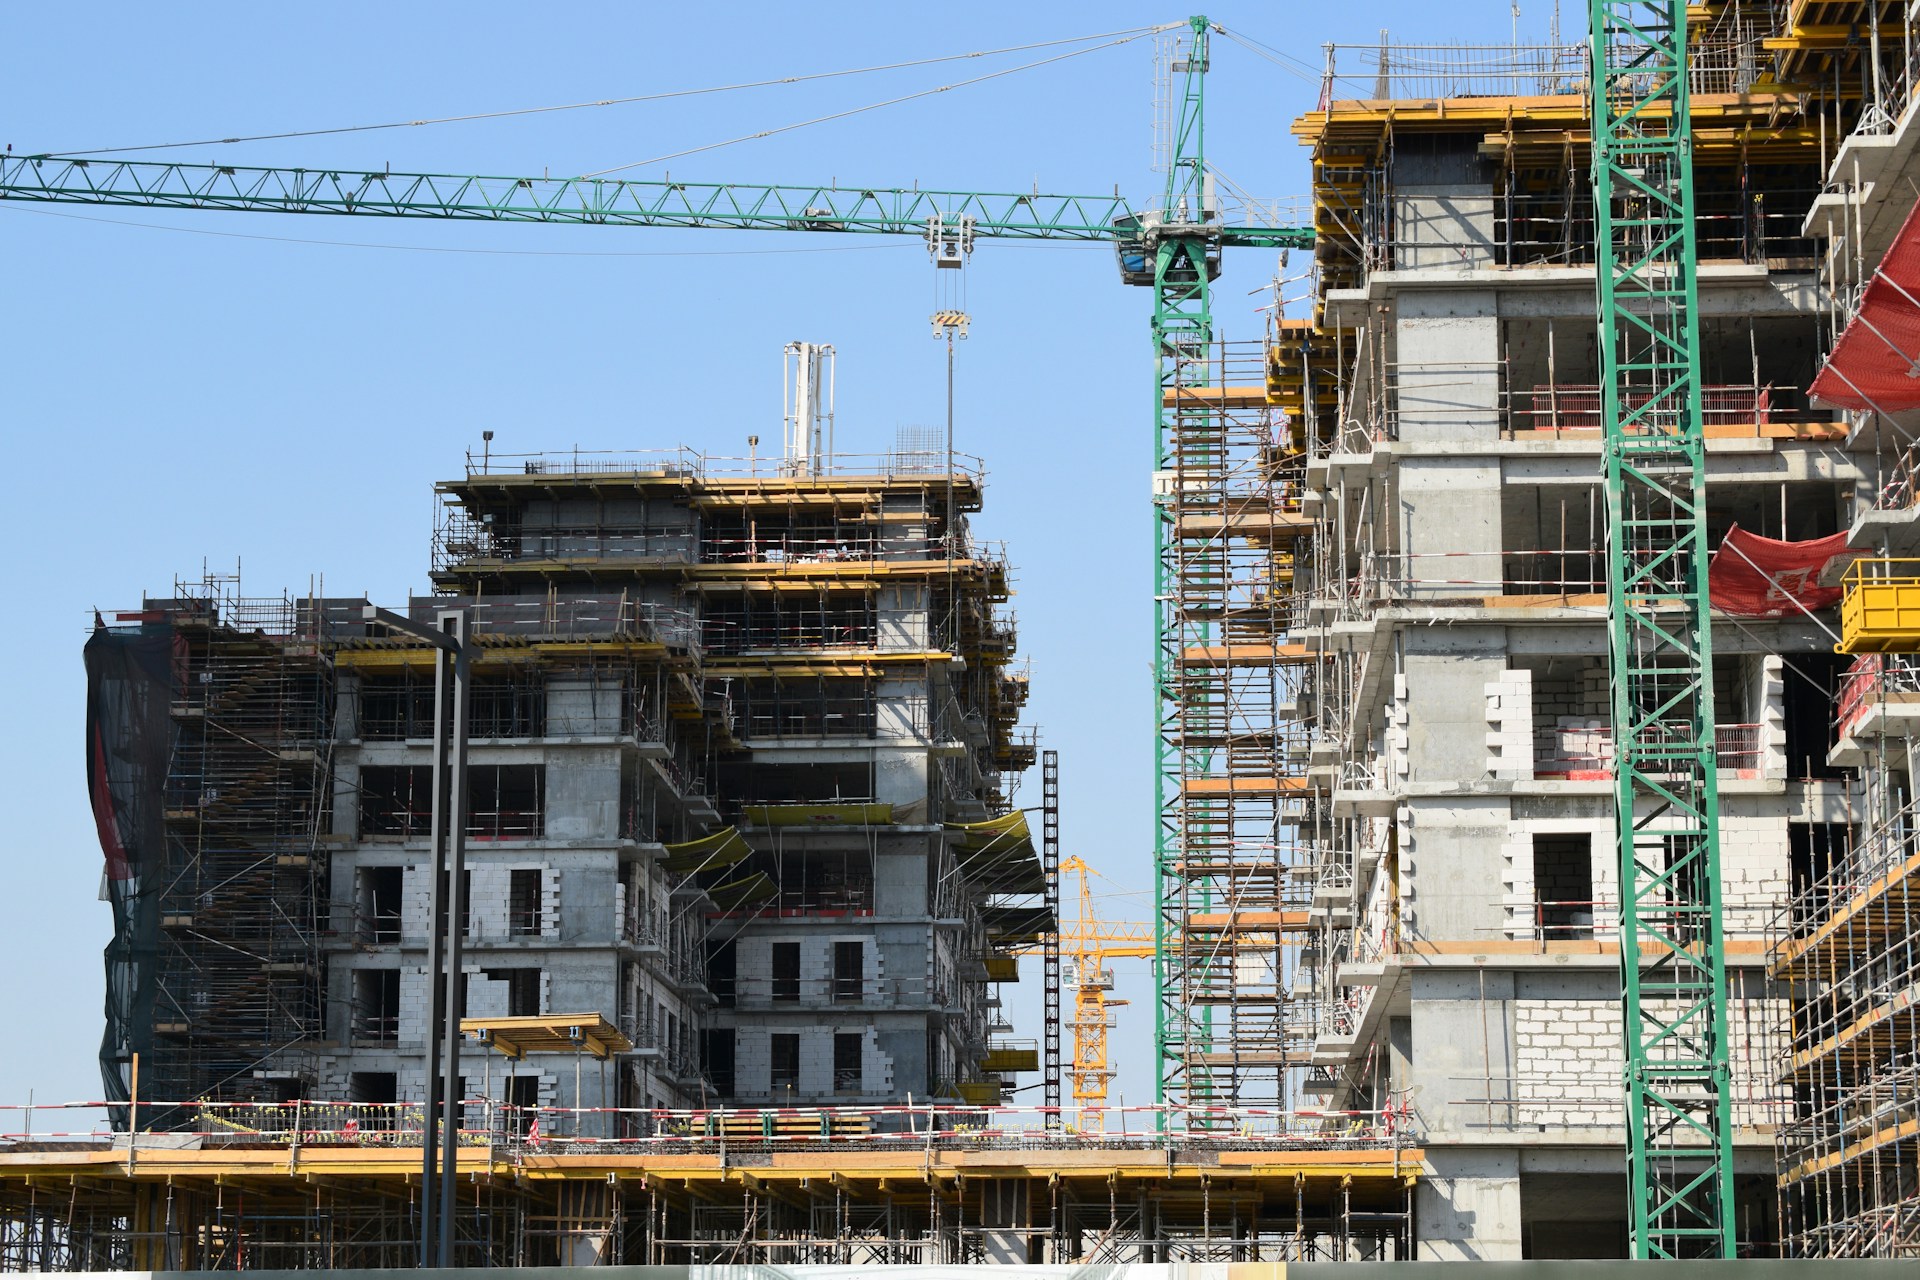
(446, 916)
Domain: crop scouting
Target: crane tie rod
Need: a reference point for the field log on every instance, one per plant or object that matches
(1132, 33)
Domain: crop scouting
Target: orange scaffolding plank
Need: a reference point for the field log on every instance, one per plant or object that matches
(1252, 396)
(1248, 655)
(1263, 921)
(1245, 786)
(1251, 525)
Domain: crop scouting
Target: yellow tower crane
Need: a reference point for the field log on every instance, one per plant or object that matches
(1086, 946)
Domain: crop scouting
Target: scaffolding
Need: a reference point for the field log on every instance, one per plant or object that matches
(215, 973)
(1848, 942)
(1233, 899)
(846, 1186)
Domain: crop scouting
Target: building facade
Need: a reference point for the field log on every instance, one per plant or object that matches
(743, 747)
(1463, 969)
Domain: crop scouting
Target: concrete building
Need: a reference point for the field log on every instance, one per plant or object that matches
(743, 750)
(1461, 970)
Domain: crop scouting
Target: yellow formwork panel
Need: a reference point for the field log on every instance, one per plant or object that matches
(1880, 612)
(1003, 1060)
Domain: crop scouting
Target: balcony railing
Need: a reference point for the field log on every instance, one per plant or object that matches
(1585, 752)
(1576, 409)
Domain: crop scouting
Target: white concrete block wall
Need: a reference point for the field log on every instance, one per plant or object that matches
(416, 1004)
(1569, 1061)
(549, 902)
(1510, 744)
(487, 909)
(752, 1062)
(1755, 863)
(876, 1067)
(489, 890)
(1773, 718)
(1516, 885)
(486, 997)
(414, 902)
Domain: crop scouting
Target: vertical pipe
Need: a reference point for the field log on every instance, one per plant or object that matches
(455, 624)
(436, 956)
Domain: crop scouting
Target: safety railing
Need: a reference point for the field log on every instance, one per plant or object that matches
(1900, 486)
(824, 630)
(691, 464)
(1548, 919)
(482, 824)
(1586, 750)
(1576, 409)
(1880, 863)
(505, 1131)
(1869, 680)
(539, 617)
(1453, 574)
(464, 540)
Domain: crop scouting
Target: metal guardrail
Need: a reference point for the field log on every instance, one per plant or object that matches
(508, 1131)
(691, 464)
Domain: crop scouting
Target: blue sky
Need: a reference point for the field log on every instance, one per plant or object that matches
(189, 389)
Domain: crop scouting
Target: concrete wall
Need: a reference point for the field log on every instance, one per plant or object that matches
(1468, 1208)
(1463, 1050)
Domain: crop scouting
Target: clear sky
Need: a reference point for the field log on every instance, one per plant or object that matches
(191, 389)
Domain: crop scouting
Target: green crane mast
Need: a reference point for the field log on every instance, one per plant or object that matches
(1672, 957)
(1188, 448)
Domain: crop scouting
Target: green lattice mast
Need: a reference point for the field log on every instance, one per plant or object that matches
(1182, 333)
(1672, 960)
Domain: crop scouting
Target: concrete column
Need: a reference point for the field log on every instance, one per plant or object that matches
(1468, 1210)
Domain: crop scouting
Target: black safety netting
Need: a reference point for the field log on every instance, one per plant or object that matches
(129, 744)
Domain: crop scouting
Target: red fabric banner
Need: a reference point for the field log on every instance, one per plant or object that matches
(1761, 577)
(1876, 362)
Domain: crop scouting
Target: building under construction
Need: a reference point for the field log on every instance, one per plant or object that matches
(748, 857)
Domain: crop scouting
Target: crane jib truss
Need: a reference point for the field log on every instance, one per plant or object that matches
(1672, 958)
(589, 201)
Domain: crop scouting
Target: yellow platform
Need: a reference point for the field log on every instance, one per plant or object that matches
(1881, 610)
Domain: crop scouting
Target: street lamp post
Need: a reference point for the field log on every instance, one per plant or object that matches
(446, 916)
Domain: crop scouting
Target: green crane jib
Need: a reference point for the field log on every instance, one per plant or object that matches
(597, 201)
(1672, 957)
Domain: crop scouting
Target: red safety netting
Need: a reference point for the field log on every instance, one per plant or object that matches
(1763, 577)
(1876, 363)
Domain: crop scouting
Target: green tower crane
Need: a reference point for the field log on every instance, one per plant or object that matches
(1672, 957)
(1171, 244)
